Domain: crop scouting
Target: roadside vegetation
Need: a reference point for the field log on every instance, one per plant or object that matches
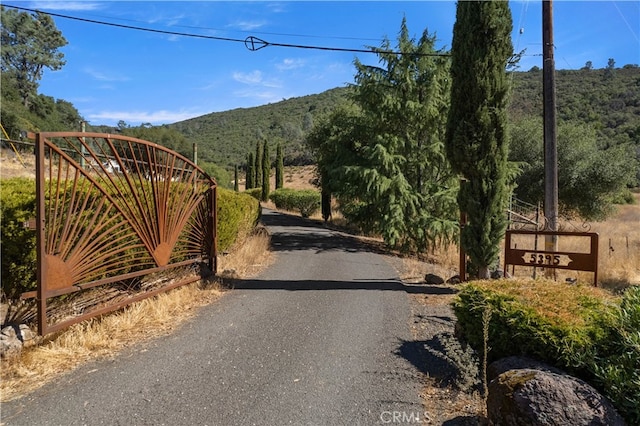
(389, 164)
(106, 336)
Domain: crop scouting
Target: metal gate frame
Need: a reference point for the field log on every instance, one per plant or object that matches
(112, 208)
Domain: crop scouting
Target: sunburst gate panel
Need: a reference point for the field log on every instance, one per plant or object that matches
(112, 208)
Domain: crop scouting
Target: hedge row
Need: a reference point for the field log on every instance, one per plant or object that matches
(306, 201)
(583, 330)
(237, 215)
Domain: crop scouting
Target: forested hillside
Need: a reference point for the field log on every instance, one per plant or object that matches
(608, 99)
(226, 137)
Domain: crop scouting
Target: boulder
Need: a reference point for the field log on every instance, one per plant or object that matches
(502, 365)
(535, 397)
(433, 279)
(12, 338)
(454, 280)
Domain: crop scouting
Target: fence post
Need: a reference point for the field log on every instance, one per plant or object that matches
(213, 205)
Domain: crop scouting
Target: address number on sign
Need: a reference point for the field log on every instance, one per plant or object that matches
(536, 258)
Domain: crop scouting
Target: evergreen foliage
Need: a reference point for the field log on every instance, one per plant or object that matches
(257, 167)
(383, 158)
(476, 142)
(590, 179)
(236, 185)
(279, 167)
(224, 137)
(251, 174)
(30, 43)
(266, 169)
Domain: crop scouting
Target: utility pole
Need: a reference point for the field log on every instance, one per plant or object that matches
(550, 142)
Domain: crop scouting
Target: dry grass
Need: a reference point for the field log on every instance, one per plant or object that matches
(554, 300)
(248, 258)
(106, 336)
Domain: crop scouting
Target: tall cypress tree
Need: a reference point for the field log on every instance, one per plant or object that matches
(476, 139)
(279, 167)
(266, 168)
(236, 186)
(258, 165)
(251, 174)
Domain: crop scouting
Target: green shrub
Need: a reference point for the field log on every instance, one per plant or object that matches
(254, 192)
(306, 201)
(17, 243)
(583, 330)
(238, 213)
(617, 361)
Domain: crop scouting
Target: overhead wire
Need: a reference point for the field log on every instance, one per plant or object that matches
(252, 43)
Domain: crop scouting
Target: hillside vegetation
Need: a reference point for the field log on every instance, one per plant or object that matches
(607, 99)
(226, 137)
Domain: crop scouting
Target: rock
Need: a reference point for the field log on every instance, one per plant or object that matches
(535, 397)
(433, 279)
(499, 273)
(13, 338)
(454, 280)
(502, 365)
(9, 347)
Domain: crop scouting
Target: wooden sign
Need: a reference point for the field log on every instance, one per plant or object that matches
(575, 261)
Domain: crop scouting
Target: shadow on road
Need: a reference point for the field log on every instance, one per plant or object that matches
(305, 285)
(289, 233)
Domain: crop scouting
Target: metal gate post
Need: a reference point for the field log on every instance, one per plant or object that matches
(213, 215)
(41, 297)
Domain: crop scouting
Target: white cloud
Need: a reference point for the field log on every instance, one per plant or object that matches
(65, 5)
(247, 25)
(105, 76)
(254, 77)
(289, 64)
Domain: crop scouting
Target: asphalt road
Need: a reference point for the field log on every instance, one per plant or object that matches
(315, 340)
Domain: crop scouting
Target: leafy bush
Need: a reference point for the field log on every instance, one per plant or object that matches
(617, 362)
(583, 330)
(238, 213)
(255, 193)
(306, 201)
(17, 243)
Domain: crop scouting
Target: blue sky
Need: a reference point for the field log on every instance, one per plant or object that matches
(115, 74)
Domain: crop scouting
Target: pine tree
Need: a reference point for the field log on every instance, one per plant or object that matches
(279, 167)
(258, 165)
(384, 159)
(251, 174)
(236, 186)
(30, 43)
(266, 168)
(476, 142)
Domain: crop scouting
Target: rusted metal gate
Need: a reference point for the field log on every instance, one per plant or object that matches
(115, 212)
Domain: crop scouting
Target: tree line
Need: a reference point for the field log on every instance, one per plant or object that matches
(391, 147)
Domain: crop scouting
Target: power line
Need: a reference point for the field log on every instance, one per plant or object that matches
(252, 43)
